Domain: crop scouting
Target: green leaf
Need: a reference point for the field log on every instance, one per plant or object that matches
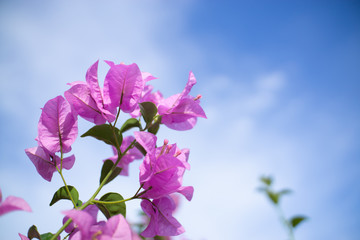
(110, 210)
(105, 133)
(266, 180)
(148, 111)
(63, 194)
(33, 232)
(297, 220)
(130, 123)
(274, 197)
(108, 164)
(46, 236)
(154, 128)
(140, 148)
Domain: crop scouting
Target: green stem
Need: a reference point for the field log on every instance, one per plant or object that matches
(92, 199)
(117, 116)
(286, 223)
(68, 234)
(139, 189)
(66, 187)
(116, 141)
(61, 229)
(62, 176)
(67, 223)
(61, 158)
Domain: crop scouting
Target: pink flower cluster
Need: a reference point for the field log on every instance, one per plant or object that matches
(161, 174)
(162, 169)
(57, 131)
(115, 227)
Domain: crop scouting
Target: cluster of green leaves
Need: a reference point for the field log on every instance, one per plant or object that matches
(275, 197)
(111, 203)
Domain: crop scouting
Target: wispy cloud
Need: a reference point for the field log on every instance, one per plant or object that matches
(257, 124)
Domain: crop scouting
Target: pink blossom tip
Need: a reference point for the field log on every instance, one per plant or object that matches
(168, 148)
(198, 97)
(177, 153)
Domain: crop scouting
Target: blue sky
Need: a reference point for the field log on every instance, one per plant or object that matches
(280, 86)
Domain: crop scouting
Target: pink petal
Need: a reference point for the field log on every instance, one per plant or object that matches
(77, 83)
(91, 209)
(183, 115)
(152, 212)
(162, 222)
(167, 104)
(117, 228)
(146, 96)
(174, 100)
(184, 156)
(123, 87)
(57, 126)
(168, 225)
(80, 98)
(180, 123)
(189, 107)
(147, 141)
(41, 160)
(166, 176)
(68, 162)
(22, 237)
(110, 63)
(147, 76)
(83, 220)
(187, 192)
(146, 172)
(92, 81)
(12, 203)
(191, 82)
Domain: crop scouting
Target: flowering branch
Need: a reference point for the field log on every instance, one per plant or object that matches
(126, 90)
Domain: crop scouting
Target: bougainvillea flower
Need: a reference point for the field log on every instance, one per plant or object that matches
(116, 227)
(180, 111)
(72, 228)
(161, 172)
(123, 86)
(97, 94)
(162, 223)
(131, 155)
(45, 163)
(83, 220)
(147, 96)
(87, 98)
(81, 100)
(57, 126)
(12, 203)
